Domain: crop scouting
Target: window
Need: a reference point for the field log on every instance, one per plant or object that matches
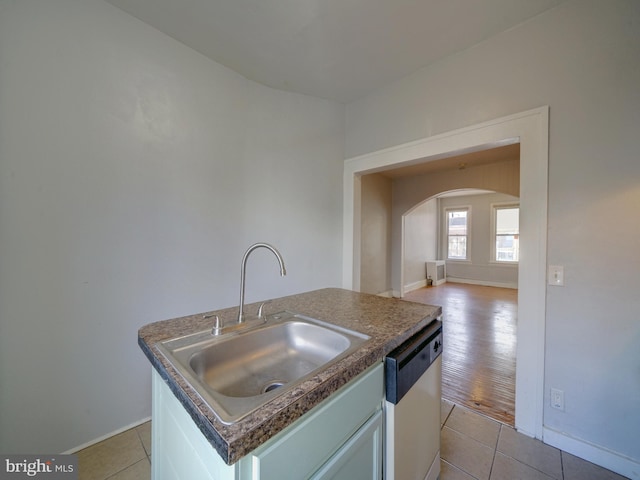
(457, 233)
(506, 232)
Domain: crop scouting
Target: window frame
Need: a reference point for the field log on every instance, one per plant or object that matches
(494, 214)
(445, 217)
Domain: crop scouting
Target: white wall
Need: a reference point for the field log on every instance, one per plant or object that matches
(375, 267)
(134, 172)
(581, 59)
(420, 243)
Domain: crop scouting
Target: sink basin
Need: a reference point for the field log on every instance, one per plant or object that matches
(236, 374)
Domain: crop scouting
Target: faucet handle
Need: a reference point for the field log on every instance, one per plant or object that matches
(217, 324)
(261, 310)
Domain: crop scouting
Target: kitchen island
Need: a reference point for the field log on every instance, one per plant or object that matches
(388, 322)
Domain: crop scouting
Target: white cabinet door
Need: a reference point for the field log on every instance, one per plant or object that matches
(360, 458)
(304, 447)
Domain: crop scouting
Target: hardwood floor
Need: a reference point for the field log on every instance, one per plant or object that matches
(479, 356)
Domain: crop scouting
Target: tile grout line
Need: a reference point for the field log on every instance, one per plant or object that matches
(142, 443)
(135, 461)
(495, 451)
(448, 415)
(120, 471)
(526, 464)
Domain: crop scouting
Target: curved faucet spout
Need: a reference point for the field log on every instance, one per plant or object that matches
(243, 269)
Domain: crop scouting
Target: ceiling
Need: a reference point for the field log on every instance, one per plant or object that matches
(335, 49)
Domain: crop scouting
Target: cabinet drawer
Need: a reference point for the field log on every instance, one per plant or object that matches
(302, 448)
(360, 458)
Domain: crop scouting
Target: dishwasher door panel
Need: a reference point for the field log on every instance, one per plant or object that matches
(412, 430)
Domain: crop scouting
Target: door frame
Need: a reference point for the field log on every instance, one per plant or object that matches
(531, 130)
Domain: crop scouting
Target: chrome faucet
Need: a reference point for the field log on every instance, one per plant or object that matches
(283, 272)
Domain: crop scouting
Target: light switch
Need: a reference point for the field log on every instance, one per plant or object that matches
(556, 275)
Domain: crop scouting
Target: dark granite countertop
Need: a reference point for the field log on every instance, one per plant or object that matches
(388, 321)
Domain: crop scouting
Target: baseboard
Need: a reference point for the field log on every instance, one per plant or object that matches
(592, 453)
(482, 282)
(108, 435)
(415, 285)
(387, 294)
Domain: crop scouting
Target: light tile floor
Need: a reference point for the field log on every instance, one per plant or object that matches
(126, 456)
(476, 447)
(473, 447)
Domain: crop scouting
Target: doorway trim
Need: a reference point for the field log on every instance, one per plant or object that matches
(531, 130)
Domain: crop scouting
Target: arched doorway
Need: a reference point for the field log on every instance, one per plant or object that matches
(478, 297)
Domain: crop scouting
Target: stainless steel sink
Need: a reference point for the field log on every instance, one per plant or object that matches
(238, 373)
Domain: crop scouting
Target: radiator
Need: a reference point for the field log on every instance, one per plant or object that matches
(437, 270)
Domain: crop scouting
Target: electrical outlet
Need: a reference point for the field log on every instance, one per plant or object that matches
(556, 275)
(557, 399)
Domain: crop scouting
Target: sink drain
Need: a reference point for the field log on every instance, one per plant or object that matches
(272, 386)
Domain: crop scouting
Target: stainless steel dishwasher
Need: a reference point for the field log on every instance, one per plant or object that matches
(413, 375)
